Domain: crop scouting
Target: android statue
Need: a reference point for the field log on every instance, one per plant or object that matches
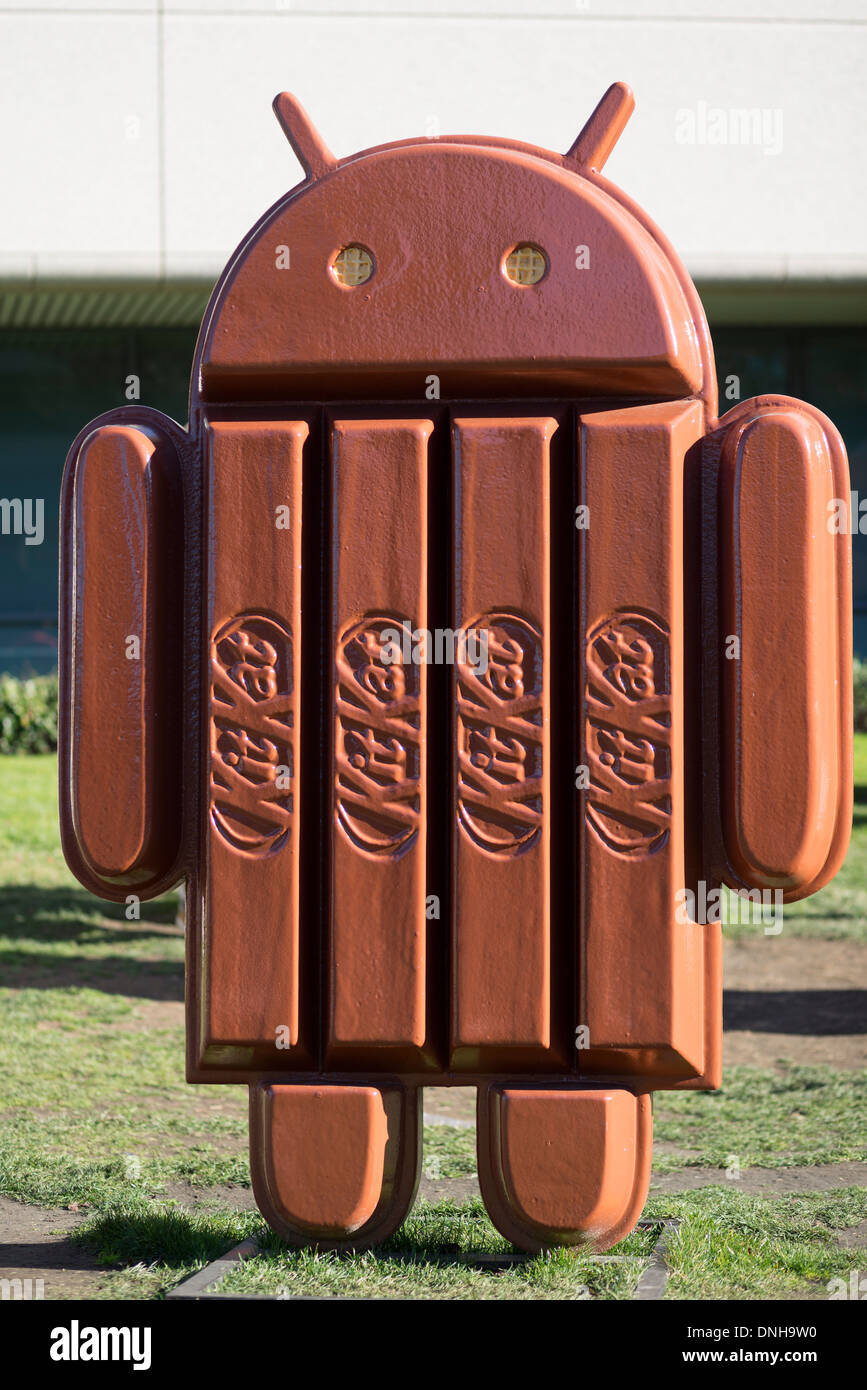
(453, 655)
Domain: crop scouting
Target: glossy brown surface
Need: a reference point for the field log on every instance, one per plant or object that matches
(534, 1144)
(780, 596)
(334, 1165)
(250, 870)
(433, 711)
(501, 898)
(121, 738)
(641, 991)
(379, 535)
(323, 1151)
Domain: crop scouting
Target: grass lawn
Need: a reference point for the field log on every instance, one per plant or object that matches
(94, 1111)
(727, 1246)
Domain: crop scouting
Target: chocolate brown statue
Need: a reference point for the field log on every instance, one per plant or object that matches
(453, 647)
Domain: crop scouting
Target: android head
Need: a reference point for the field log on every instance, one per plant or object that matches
(497, 267)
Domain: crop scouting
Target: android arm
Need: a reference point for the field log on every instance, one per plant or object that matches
(785, 655)
(120, 672)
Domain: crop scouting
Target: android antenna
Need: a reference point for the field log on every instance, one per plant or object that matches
(312, 151)
(604, 128)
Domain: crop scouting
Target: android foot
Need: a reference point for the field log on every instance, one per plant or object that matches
(564, 1166)
(335, 1166)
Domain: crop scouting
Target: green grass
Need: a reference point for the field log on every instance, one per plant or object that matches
(29, 839)
(431, 1257)
(149, 1246)
(93, 1102)
(428, 1258)
(92, 1107)
(728, 1246)
(449, 1152)
(764, 1118)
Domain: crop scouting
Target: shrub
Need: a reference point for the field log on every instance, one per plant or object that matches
(860, 679)
(28, 714)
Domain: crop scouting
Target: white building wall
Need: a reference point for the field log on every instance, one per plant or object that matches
(138, 139)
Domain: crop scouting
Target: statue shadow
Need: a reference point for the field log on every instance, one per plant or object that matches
(34, 919)
(804, 1013)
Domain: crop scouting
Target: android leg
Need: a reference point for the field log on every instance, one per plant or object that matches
(336, 1166)
(563, 1166)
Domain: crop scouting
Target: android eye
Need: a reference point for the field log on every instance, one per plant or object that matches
(352, 266)
(525, 264)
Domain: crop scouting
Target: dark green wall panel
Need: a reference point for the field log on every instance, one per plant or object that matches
(52, 381)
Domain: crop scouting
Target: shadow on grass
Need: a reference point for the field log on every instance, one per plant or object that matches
(818, 913)
(28, 910)
(62, 1254)
(185, 1239)
(437, 1242)
(161, 981)
(169, 1236)
(178, 1238)
(806, 1013)
(33, 920)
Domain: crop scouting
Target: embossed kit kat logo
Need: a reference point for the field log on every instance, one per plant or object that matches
(377, 739)
(627, 732)
(252, 770)
(500, 737)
